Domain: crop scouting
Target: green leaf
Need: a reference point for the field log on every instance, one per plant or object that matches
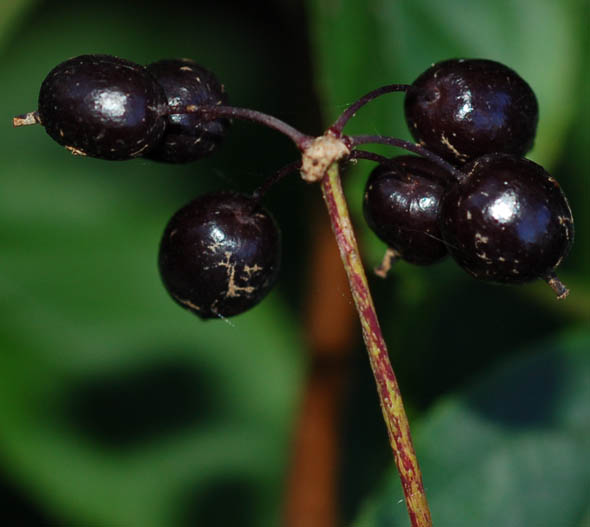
(84, 316)
(576, 157)
(511, 450)
(12, 12)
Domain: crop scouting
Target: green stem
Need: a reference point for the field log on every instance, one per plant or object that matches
(390, 398)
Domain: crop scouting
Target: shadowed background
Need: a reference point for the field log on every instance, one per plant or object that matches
(119, 408)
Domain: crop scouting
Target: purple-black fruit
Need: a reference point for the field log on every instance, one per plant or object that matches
(220, 255)
(103, 106)
(508, 221)
(402, 206)
(188, 136)
(464, 108)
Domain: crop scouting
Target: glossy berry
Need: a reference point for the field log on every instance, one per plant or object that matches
(402, 206)
(508, 221)
(102, 106)
(220, 255)
(188, 137)
(464, 108)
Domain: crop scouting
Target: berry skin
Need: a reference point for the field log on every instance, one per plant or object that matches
(188, 137)
(402, 206)
(220, 255)
(462, 109)
(508, 221)
(102, 106)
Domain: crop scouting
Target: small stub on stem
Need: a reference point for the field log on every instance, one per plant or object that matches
(320, 154)
(26, 119)
(558, 286)
(390, 256)
(75, 151)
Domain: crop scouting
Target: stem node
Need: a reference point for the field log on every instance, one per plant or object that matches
(320, 154)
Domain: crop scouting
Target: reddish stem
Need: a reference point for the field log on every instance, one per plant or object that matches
(209, 113)
(388, 390)
(355, 140)
(371, 156)
(259, 193)
(347, 114)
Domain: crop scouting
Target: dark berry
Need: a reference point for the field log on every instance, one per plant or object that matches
(188, 137)
(402, 206)
(103, 106)
(464, 108)
(220, 255)
(508, 221)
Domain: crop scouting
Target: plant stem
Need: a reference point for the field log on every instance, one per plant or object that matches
(355, 140)
(389, 393)
(371, 156)
(260, 192)
(209, 113)
(347, 114)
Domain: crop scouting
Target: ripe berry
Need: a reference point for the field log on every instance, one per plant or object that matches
(188, 137)
(402, 206)
(464, 108)
(102, 106)
(220, 255)
(508, 221)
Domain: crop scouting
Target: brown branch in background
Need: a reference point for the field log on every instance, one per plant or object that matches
(331, 326)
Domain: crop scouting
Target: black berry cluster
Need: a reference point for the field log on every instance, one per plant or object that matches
(220, 254)
(470, 194)
(111, 108)
(502, 217)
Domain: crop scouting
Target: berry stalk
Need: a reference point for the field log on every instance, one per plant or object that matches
(300, 139)
(398, 428)
(371, 156)
(261, 191)
(355, 140)
(347, 114)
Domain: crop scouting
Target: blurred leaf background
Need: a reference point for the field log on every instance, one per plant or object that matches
(119, 408)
